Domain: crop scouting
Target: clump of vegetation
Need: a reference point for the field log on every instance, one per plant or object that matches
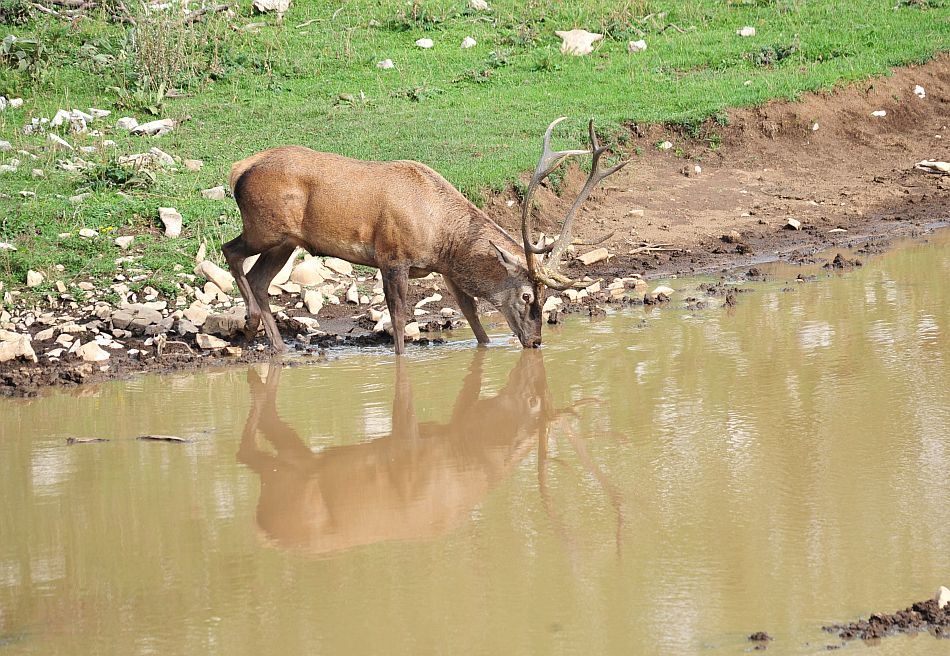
(23, 55)
(113, 175)
(416, 94)
(483, 73)
(771, 55)
(418, 18)
(15, 12)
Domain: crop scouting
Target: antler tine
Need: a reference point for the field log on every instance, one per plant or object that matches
(550, 160)
(596, 175)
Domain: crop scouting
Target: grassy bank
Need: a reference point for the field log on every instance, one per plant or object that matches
(473, 114)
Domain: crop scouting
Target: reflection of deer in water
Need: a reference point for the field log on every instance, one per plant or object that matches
(419, 482)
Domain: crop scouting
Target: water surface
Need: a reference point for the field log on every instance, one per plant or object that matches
(657, 482)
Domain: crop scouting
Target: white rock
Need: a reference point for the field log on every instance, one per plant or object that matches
(478, 5)
(447, 312)
(429, 299)
(58, 141)
(34, 278)
(814, 127)
(278, 6)
(155, 128)
(879, 113)
(99, 113)
(283, 275)
(55, 353)
(215, 193)
(636, 46)
(384, 323)
(551, 303)
(126, 123)
(16, 102)
(13, 345)
(162, 157)
(202, 252)
(88, 233)
(171, 219)
(594, 256)
(38, 173)
(308, 272)
(578, 42)
(65, 339)
(469, 42)
(6, 246)
(933, 166)
(920, 93)
(697, 169)
(385, 64)
(6, 146)
(196, 314)
(342, 267)
(210, 341)
(353, 294)
(746, 31)
(92, 352)
(59, 118)
(313, 300)
(665, 145)
(193, 164)
(942, 596)
(412, 330)
(793, 224)
(662, 289)
(425, 43)
(124, 242)
(221, 278)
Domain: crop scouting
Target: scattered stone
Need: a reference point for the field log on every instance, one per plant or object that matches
(578, 42)
(879, 113)
(662, 289)
(215, 193)
(210, 342)
(313, 300)
(933, 166)
(429, 299)
(469, 42)
(353, 294)
(942, 597)
(746, 31)
(171, 219)
(636, 46)
(551, 303)
(88, 233)
(126, 123)
(425, 43)
(478, 5)
(309, 272)
(196, 314)
(923, 616)
(342, 267)
(226, 324)
(6, 246)
(124, 242)
(92, 352)
(78, 198)
(386, 64)
(594, 256)
(793, 224)
(193, 164)
(86, 286)
(840, 262)
(162, 157)
(919, 92)
(14, 103)
(412, 330)
(155, 128)
(6, 146)
(38, 173)
(184, 327)
(34, 278)
(760, 636)
(58, 142)
(836, 231)
(14, 346)
(665, 145)
(448, 312)
(279, 7)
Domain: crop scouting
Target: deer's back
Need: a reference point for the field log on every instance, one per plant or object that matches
(348, 208)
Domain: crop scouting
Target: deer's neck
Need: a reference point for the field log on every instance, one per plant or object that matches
(468, 257)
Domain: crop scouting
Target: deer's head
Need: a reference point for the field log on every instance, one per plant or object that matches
(520, 297)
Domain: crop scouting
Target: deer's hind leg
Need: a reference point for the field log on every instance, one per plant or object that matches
(396, 289)
(236, 252)
(259, 278)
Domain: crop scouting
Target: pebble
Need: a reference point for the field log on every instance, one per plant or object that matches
(594, 256)
(879, 113)
(478, 5)
(748, 30)
(425, 43)
(34, 278)
(313, 300)
(662, 289)
(793, 224)
(215, 193)
(578, 42)
(124, 242)
(342, 267)
(193, 164)
(386, 64)
(920, 93)
(665, 145)
(210, 341)
(636, 46)
(469, 42)
(942, 597)
(171, 219)
(92, 352)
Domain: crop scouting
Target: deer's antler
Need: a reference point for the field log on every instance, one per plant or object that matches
(549, 161)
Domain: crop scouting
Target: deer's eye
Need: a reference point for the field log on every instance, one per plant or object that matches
(526, 297)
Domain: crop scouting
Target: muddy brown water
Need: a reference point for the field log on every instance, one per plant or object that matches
(661, 481)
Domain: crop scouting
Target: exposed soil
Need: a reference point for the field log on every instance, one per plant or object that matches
(851, 183)
(923, 616)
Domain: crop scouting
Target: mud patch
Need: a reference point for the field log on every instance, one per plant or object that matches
(922, 617)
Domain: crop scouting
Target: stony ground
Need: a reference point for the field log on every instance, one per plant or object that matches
(842, 176)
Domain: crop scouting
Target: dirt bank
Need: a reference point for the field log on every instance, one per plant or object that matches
(846, 176)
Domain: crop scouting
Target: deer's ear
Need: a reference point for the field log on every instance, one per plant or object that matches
(509, 261)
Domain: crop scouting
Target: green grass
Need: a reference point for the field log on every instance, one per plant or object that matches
(475, 115)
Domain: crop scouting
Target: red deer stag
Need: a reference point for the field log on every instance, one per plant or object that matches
(403, 218)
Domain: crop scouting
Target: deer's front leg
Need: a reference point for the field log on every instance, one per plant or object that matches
(396, 289)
